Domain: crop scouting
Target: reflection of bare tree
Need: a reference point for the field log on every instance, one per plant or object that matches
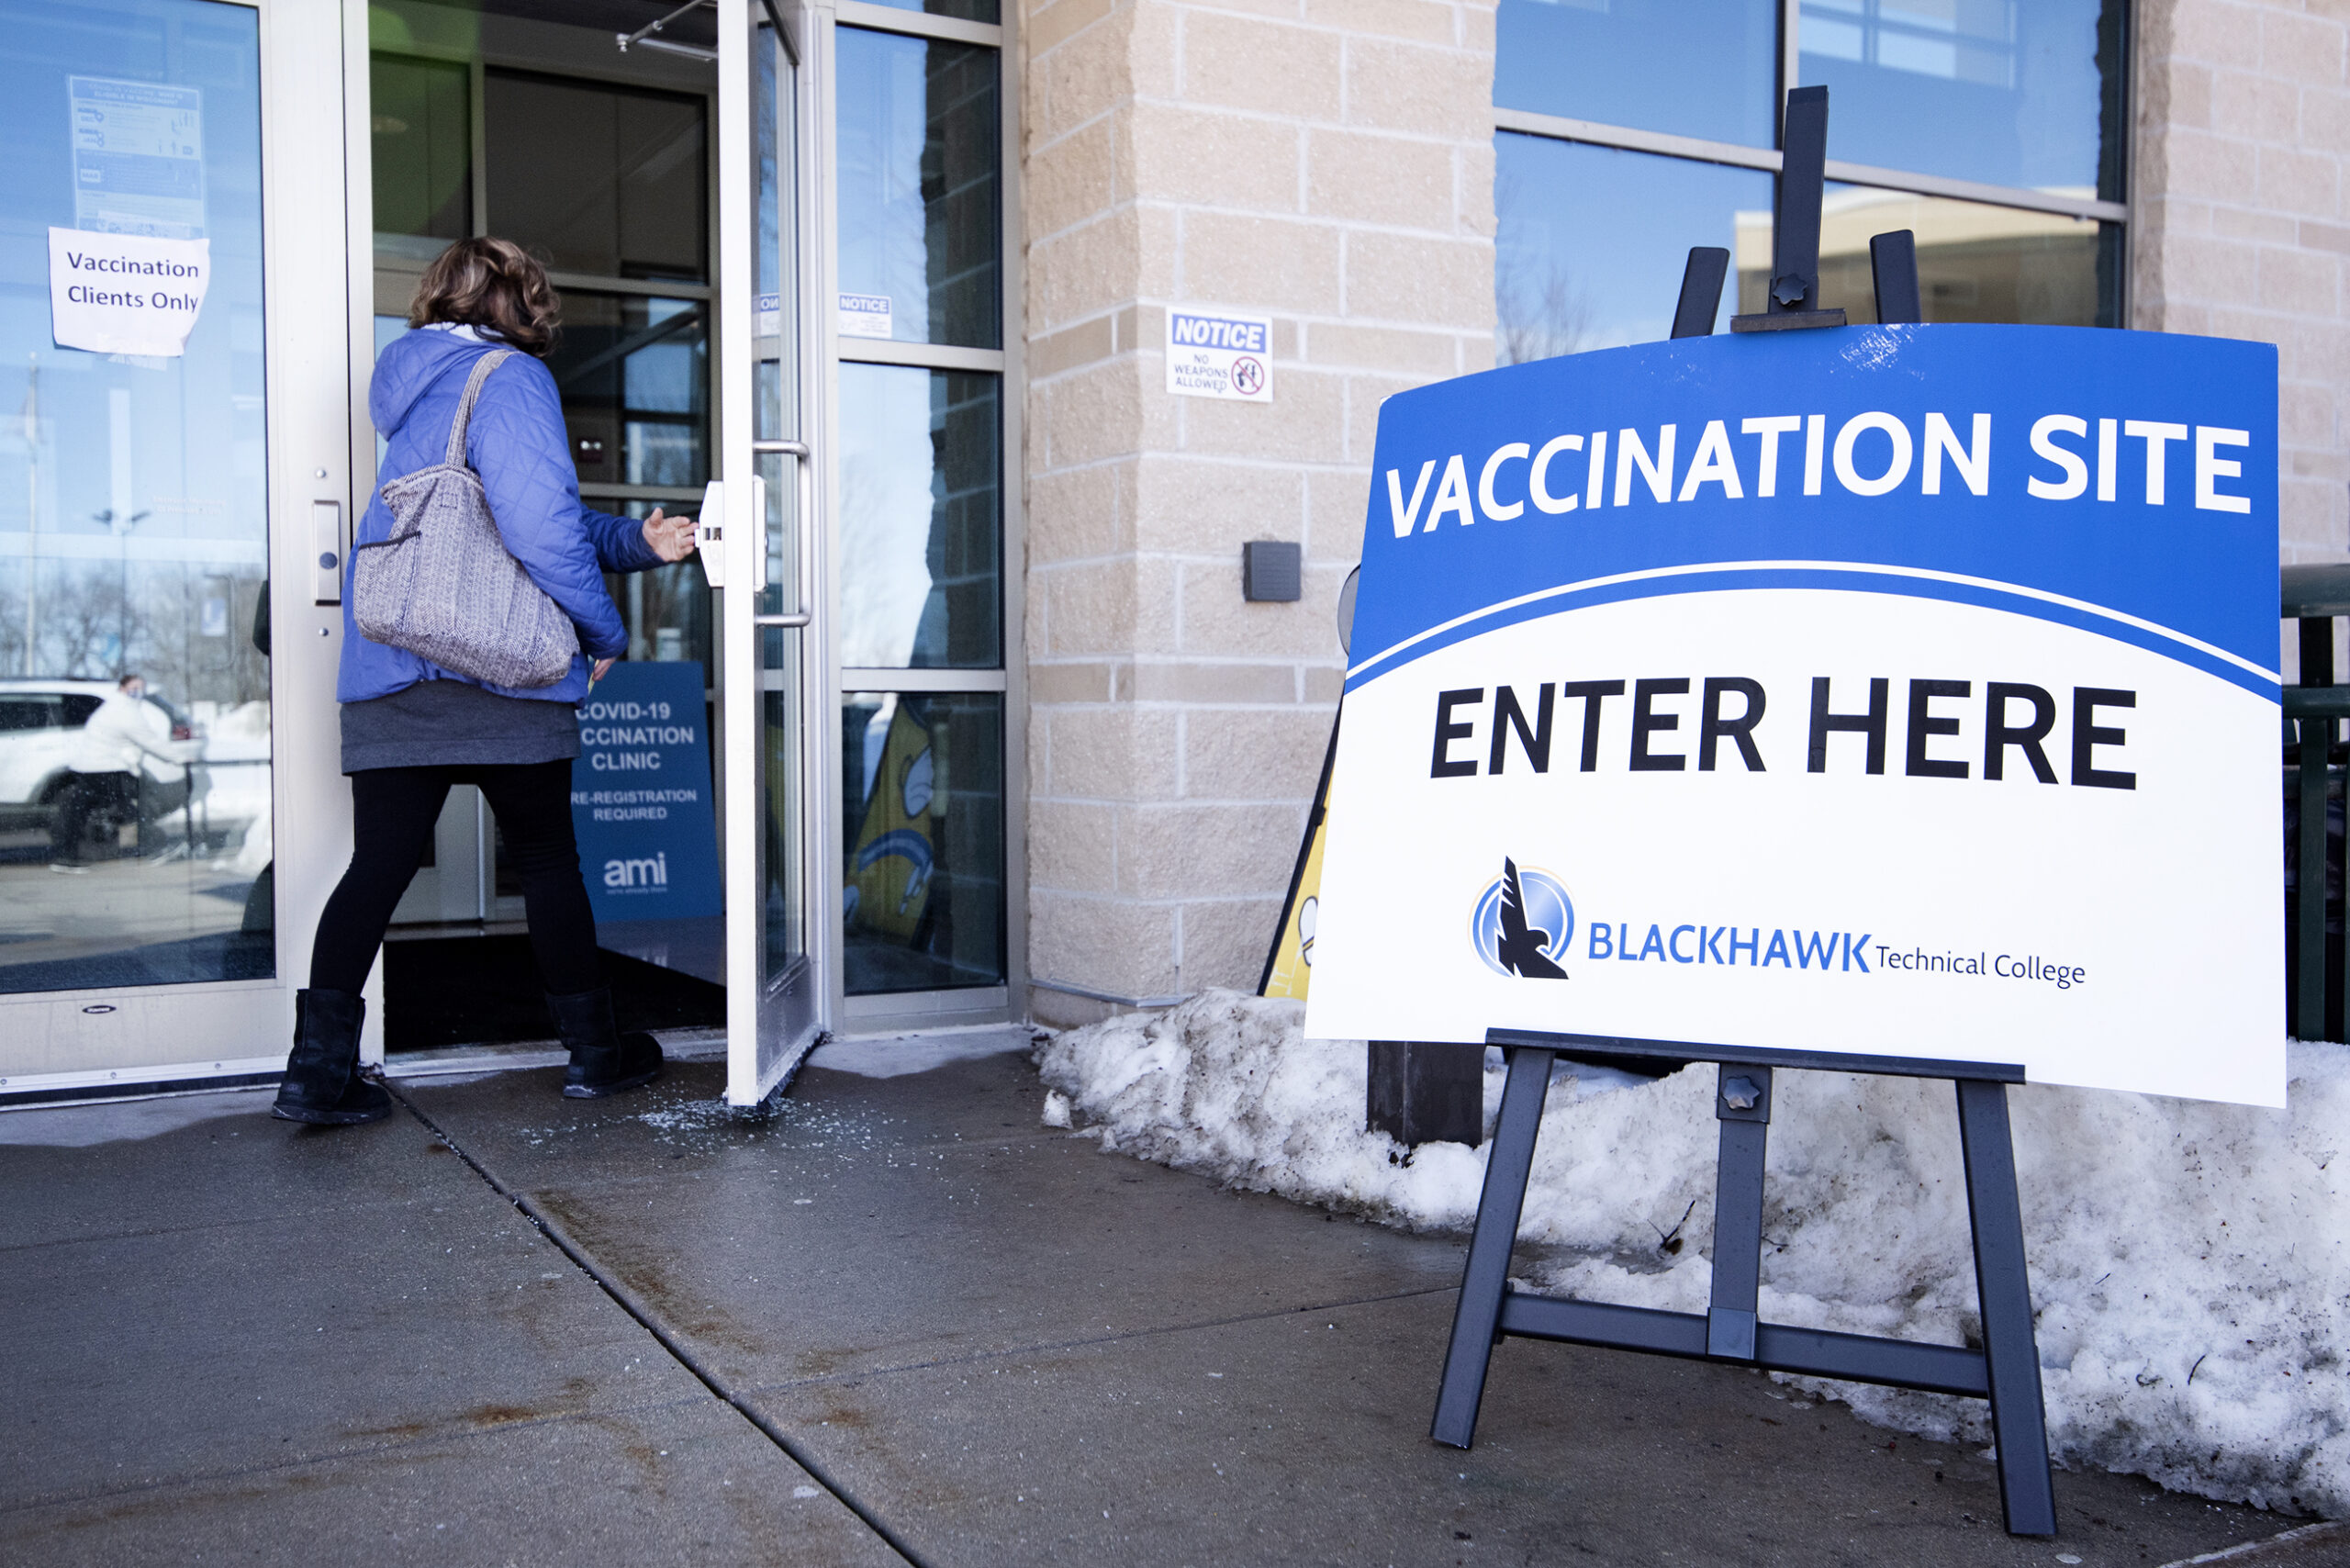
(89, 630)
(1543, 313)
(187, 629)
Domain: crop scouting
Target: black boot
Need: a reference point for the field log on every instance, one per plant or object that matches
(322, 1082)
(603, 1060)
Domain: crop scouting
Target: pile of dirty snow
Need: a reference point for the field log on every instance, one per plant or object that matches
(2189, 1261)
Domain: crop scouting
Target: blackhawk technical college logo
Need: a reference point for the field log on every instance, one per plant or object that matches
(1523, 924)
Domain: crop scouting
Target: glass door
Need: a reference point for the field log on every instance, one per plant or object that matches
(759, 533)
(868, 622)
(171, 424)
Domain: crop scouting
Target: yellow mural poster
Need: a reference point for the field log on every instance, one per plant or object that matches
(1288, 968)
(889, 871)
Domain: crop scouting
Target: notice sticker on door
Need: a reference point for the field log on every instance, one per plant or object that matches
(864, 316)
(125, 292)
(1219, 353)
(137, 157)
(766, 316)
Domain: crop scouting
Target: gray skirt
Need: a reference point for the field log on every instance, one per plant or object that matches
(443, 723)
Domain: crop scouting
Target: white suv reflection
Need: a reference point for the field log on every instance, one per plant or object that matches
(40, 721)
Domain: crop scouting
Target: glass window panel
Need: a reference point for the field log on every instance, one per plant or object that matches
(920, 516)
(783, 929)
(634, 375)
(598, 178)
(1592, 241)
(922, 783)
(1976, 262)
(1706, 67)
(423, 149)
(920, 150)
(963, 10)
(133, 512)
(775, 371)
(1990, 90)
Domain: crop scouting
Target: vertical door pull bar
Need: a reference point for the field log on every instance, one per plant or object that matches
(798, 452)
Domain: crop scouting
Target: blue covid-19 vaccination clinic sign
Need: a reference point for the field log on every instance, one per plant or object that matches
(641, 795)
(1903, 690)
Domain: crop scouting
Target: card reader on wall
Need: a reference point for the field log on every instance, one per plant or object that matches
(1271, 572)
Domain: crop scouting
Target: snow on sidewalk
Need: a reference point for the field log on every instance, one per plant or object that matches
(2189, 1261)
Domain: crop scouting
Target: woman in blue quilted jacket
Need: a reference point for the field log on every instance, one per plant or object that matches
(411, 729)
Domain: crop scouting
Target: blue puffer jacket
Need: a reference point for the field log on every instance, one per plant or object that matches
(519, 445)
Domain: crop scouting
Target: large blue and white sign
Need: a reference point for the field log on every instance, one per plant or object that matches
(1902, 691)
(640, 795)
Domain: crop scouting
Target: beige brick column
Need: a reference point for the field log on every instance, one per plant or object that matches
(1329, 163)
(2242, 218)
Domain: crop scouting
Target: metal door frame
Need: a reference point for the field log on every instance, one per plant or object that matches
(127, 1039)
(771, 1022)
(895, 1013)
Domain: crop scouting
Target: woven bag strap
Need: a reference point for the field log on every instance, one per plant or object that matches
(482, 367)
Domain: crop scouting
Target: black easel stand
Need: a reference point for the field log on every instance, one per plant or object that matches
(2006, 1371)
(1791, 297)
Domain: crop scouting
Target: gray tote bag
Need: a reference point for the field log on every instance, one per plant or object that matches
(443, 584)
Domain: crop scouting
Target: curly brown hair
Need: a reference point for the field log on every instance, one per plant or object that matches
(494, 286)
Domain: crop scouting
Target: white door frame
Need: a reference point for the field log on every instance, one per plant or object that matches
(111, 1040)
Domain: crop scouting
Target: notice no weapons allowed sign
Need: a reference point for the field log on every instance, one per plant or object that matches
(1901, 690)
(1213, 352)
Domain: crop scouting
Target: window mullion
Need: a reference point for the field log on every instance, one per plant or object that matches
(1790, 46)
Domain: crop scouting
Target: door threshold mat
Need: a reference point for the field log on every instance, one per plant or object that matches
(486, 990)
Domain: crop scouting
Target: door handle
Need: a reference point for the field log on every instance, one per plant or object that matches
(759, 535)
(805, 521)
(326, 549)
(710, 533)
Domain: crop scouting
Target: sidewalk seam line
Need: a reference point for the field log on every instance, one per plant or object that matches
(1049, 1347)
(211, 1477)
(101, 1237)
(624, 1298)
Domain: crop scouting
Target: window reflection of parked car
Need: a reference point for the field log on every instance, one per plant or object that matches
(39, 722)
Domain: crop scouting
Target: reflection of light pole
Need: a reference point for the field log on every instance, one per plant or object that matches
(32, 505)
(122, 527)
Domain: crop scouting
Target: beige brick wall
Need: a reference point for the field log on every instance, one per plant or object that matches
(2242, 218)
(1325, 162)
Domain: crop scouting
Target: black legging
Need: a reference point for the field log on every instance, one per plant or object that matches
(392, 813)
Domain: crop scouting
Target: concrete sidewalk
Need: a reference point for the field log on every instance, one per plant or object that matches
(898, 1319)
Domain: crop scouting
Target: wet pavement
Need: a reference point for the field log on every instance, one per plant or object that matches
(896, 1319)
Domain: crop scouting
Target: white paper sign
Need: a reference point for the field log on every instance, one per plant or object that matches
(125, 292)
(767, 316)
(1219, 353)
(864, 316)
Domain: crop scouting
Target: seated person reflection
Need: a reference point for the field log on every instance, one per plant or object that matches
(103, 770)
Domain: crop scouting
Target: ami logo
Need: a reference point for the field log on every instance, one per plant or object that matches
(1523, 922)
(645, 875)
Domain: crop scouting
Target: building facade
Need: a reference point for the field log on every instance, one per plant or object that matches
(1417, 189)
(995, 732)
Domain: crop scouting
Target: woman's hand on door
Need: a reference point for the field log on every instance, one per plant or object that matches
(671, 538)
